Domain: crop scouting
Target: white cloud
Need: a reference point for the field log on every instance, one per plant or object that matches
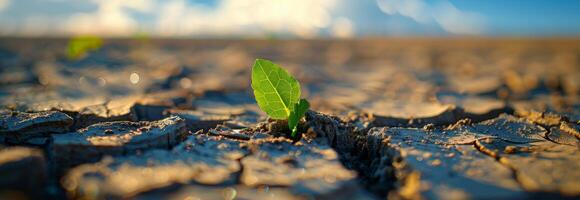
(4, 4)
(443, 13)
(415, 9)
(251, 17)
(455, 21)
(244, 18)
(227, 18)
(342, 28)
(110, 19)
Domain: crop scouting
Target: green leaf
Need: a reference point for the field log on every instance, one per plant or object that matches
(78, 46)
(299, 110)
(276, 91)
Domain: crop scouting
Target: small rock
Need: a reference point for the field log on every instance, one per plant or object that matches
(429, 127)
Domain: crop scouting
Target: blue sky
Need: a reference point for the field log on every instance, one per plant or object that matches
(532, 17)
(290, 18)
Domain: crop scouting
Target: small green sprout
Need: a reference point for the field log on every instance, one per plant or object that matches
(278, 93)
(78, 46)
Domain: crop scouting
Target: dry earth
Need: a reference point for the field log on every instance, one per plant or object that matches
(390, 118)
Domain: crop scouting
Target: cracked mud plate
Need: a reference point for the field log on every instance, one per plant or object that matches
(403, 119)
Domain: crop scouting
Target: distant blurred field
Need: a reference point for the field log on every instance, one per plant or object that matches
(377, 75)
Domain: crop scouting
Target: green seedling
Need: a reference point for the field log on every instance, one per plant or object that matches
(278, 93)
(79, 46)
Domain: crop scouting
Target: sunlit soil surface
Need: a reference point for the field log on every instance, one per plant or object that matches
(396, 118)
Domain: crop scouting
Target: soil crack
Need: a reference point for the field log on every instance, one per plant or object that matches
(497, 158)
